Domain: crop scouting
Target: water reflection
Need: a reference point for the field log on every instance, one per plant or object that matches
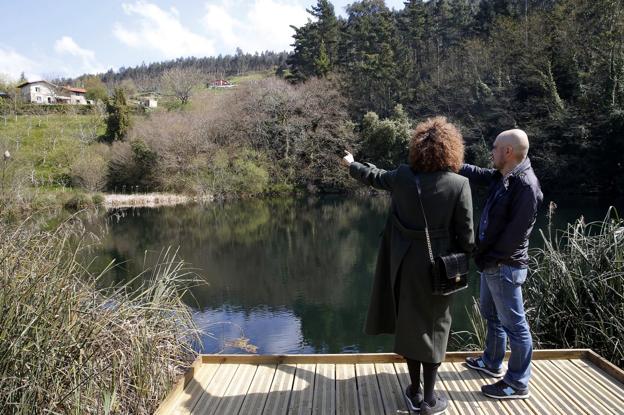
(293, 275)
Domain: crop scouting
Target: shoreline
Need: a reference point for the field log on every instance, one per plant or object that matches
(116, 201)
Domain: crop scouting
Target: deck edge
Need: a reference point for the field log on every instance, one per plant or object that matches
(606, 366)
(167, 404)
(546, 354)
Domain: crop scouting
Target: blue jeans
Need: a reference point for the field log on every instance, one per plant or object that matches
(503, 309)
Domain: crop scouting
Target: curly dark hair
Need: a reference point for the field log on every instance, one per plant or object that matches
(436, 145)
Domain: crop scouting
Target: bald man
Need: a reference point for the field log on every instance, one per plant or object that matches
(502, 258)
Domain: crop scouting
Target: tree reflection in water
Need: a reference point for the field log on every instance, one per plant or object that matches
(293, 273)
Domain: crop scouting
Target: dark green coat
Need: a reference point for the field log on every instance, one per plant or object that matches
(401, 299)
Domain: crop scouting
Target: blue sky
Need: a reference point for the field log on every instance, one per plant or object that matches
(46, 38)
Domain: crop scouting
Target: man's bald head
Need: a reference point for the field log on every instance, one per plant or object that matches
(517, 140)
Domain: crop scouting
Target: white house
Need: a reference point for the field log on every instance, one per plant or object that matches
(221, 83)
(149, 102)
(44, 92)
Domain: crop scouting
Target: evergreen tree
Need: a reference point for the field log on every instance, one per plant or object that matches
(301, 61)
(322, 64)
(321, 33)
(368, 51)
(118, 116)
(328, 28)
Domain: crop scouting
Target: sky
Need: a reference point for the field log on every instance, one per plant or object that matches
(66, 38)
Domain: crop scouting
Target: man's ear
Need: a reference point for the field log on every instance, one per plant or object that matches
(509, 150)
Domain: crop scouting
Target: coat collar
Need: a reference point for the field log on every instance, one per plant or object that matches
(517, 171)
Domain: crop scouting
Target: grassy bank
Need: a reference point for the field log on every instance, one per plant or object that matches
(68, 346)
(263, 137)
(47, 158)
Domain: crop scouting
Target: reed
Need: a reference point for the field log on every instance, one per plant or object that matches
(575, 293)
(474, 338)
(68, 346)
(574, 296)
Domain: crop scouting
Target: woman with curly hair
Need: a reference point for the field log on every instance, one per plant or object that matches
(402, 301)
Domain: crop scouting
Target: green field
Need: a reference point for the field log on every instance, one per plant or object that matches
(47, 145)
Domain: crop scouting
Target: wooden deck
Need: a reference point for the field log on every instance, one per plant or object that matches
(563, 382)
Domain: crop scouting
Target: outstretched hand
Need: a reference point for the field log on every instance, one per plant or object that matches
(348, 159)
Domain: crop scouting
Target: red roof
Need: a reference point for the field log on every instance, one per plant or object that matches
(71, 88)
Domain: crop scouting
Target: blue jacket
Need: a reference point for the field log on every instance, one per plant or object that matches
(508, 216)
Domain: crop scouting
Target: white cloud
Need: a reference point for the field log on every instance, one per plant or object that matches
(66, 58)
(67, 46)
(264, 26)
(162, 31)
(218, 21)
(12, 64)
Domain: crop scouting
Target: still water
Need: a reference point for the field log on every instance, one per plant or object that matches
(292, 275)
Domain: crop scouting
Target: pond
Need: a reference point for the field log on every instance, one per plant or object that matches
(292, 275)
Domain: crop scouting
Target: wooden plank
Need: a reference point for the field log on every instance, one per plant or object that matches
(346, 358)
(599, 377)
(209, 400)
(453, 408)
(346, 390)
(368, 390)
(303, 390)
(195, 390)
(402, 372)
(258, 390)
(234, 396)
(479, 403)
(174, 396)
(518, 406)
(391, 391)
(457, 392)
(441, 387)
(403, 376)
(606, 366)
(281, 388)
(556, 390)
(583, 382)
(541, 384)
(473, 381)
(324, 401)
(578, 393)
(537, 401)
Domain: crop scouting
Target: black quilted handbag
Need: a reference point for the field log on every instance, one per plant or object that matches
(449, 273)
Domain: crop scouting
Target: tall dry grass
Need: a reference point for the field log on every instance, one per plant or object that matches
(575, 293)
(68, 346)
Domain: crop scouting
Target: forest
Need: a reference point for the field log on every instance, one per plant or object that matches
(552, 68)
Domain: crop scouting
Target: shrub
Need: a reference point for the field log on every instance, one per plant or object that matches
(78, 201)
(90, 170)
(385, 142)
(133, 165)
(98, 199)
